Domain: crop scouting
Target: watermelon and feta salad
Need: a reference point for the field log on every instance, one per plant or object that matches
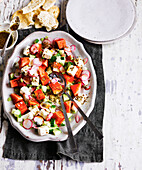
(36, 92)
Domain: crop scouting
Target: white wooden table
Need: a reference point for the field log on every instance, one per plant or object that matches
(122, 128)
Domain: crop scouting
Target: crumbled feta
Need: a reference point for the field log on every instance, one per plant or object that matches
(46, 98)
(57, 132)
(38, 120)
(25, 70)
(47, 53)
(69, 115)
(43, 113)
(19, 119)
(35, 81)
(25, 90)
(84, 68)
(43, 130)
(29, 115)
(58, 103)
(60, 60)
(34, 109)
(26, 97)
(44, 89)
(72, 70)
(31, 60)
(16, 112)
(86, 82)
(26, 51)
(56, 69)
(79, 62)
(47, 123)
(52, 110)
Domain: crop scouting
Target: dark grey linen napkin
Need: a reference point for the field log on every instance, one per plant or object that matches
(90, 149)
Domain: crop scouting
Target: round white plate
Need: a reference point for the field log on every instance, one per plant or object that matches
(6, 91)
(101, 20)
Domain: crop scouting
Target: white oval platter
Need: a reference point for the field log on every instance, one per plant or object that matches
(6, 91)
(101, 21)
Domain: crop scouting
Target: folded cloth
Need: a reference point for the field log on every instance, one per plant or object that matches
(90, 149)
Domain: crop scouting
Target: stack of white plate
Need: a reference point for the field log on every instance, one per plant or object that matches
(101, 21)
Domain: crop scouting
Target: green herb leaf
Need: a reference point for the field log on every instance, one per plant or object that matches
(62, 124)
(53, 106)
(58, 54)
(42, 39)
(53, 58)
(36, 41)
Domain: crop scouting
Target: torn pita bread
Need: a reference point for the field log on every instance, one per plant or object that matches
(54, 27)
(33, 5)
(48, 20)
(54, 10)
(25, 19)
(37, 23)
(48, 4)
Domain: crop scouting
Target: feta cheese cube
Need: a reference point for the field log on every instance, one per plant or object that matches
(72, 70)
(25, 70)
(26, 51)
(47, 123)
(84, 68)
(43, 113)
(25, 90)
(35, 81)
(60, 60)
(56, 69)
(29, 115)
(19, 119)
(16, 112)
(47, 53)
(31, 58)
(26, 97)
(34, 109)
(43, 130)
(79, 62)
(52, 110)
(44, 89)
(46, 99)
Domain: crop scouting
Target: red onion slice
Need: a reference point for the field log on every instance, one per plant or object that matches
(49, 116)
(84, 77)
(77, 118)
(37, 62)
(33, 49)
(86, 72)
(85, 60)
(87, 88)
(73, 48)
(33, 71)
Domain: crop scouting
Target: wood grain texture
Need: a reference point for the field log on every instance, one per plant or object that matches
(122, 128)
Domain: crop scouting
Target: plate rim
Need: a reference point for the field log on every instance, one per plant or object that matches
(111, 40)
(11, 118)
